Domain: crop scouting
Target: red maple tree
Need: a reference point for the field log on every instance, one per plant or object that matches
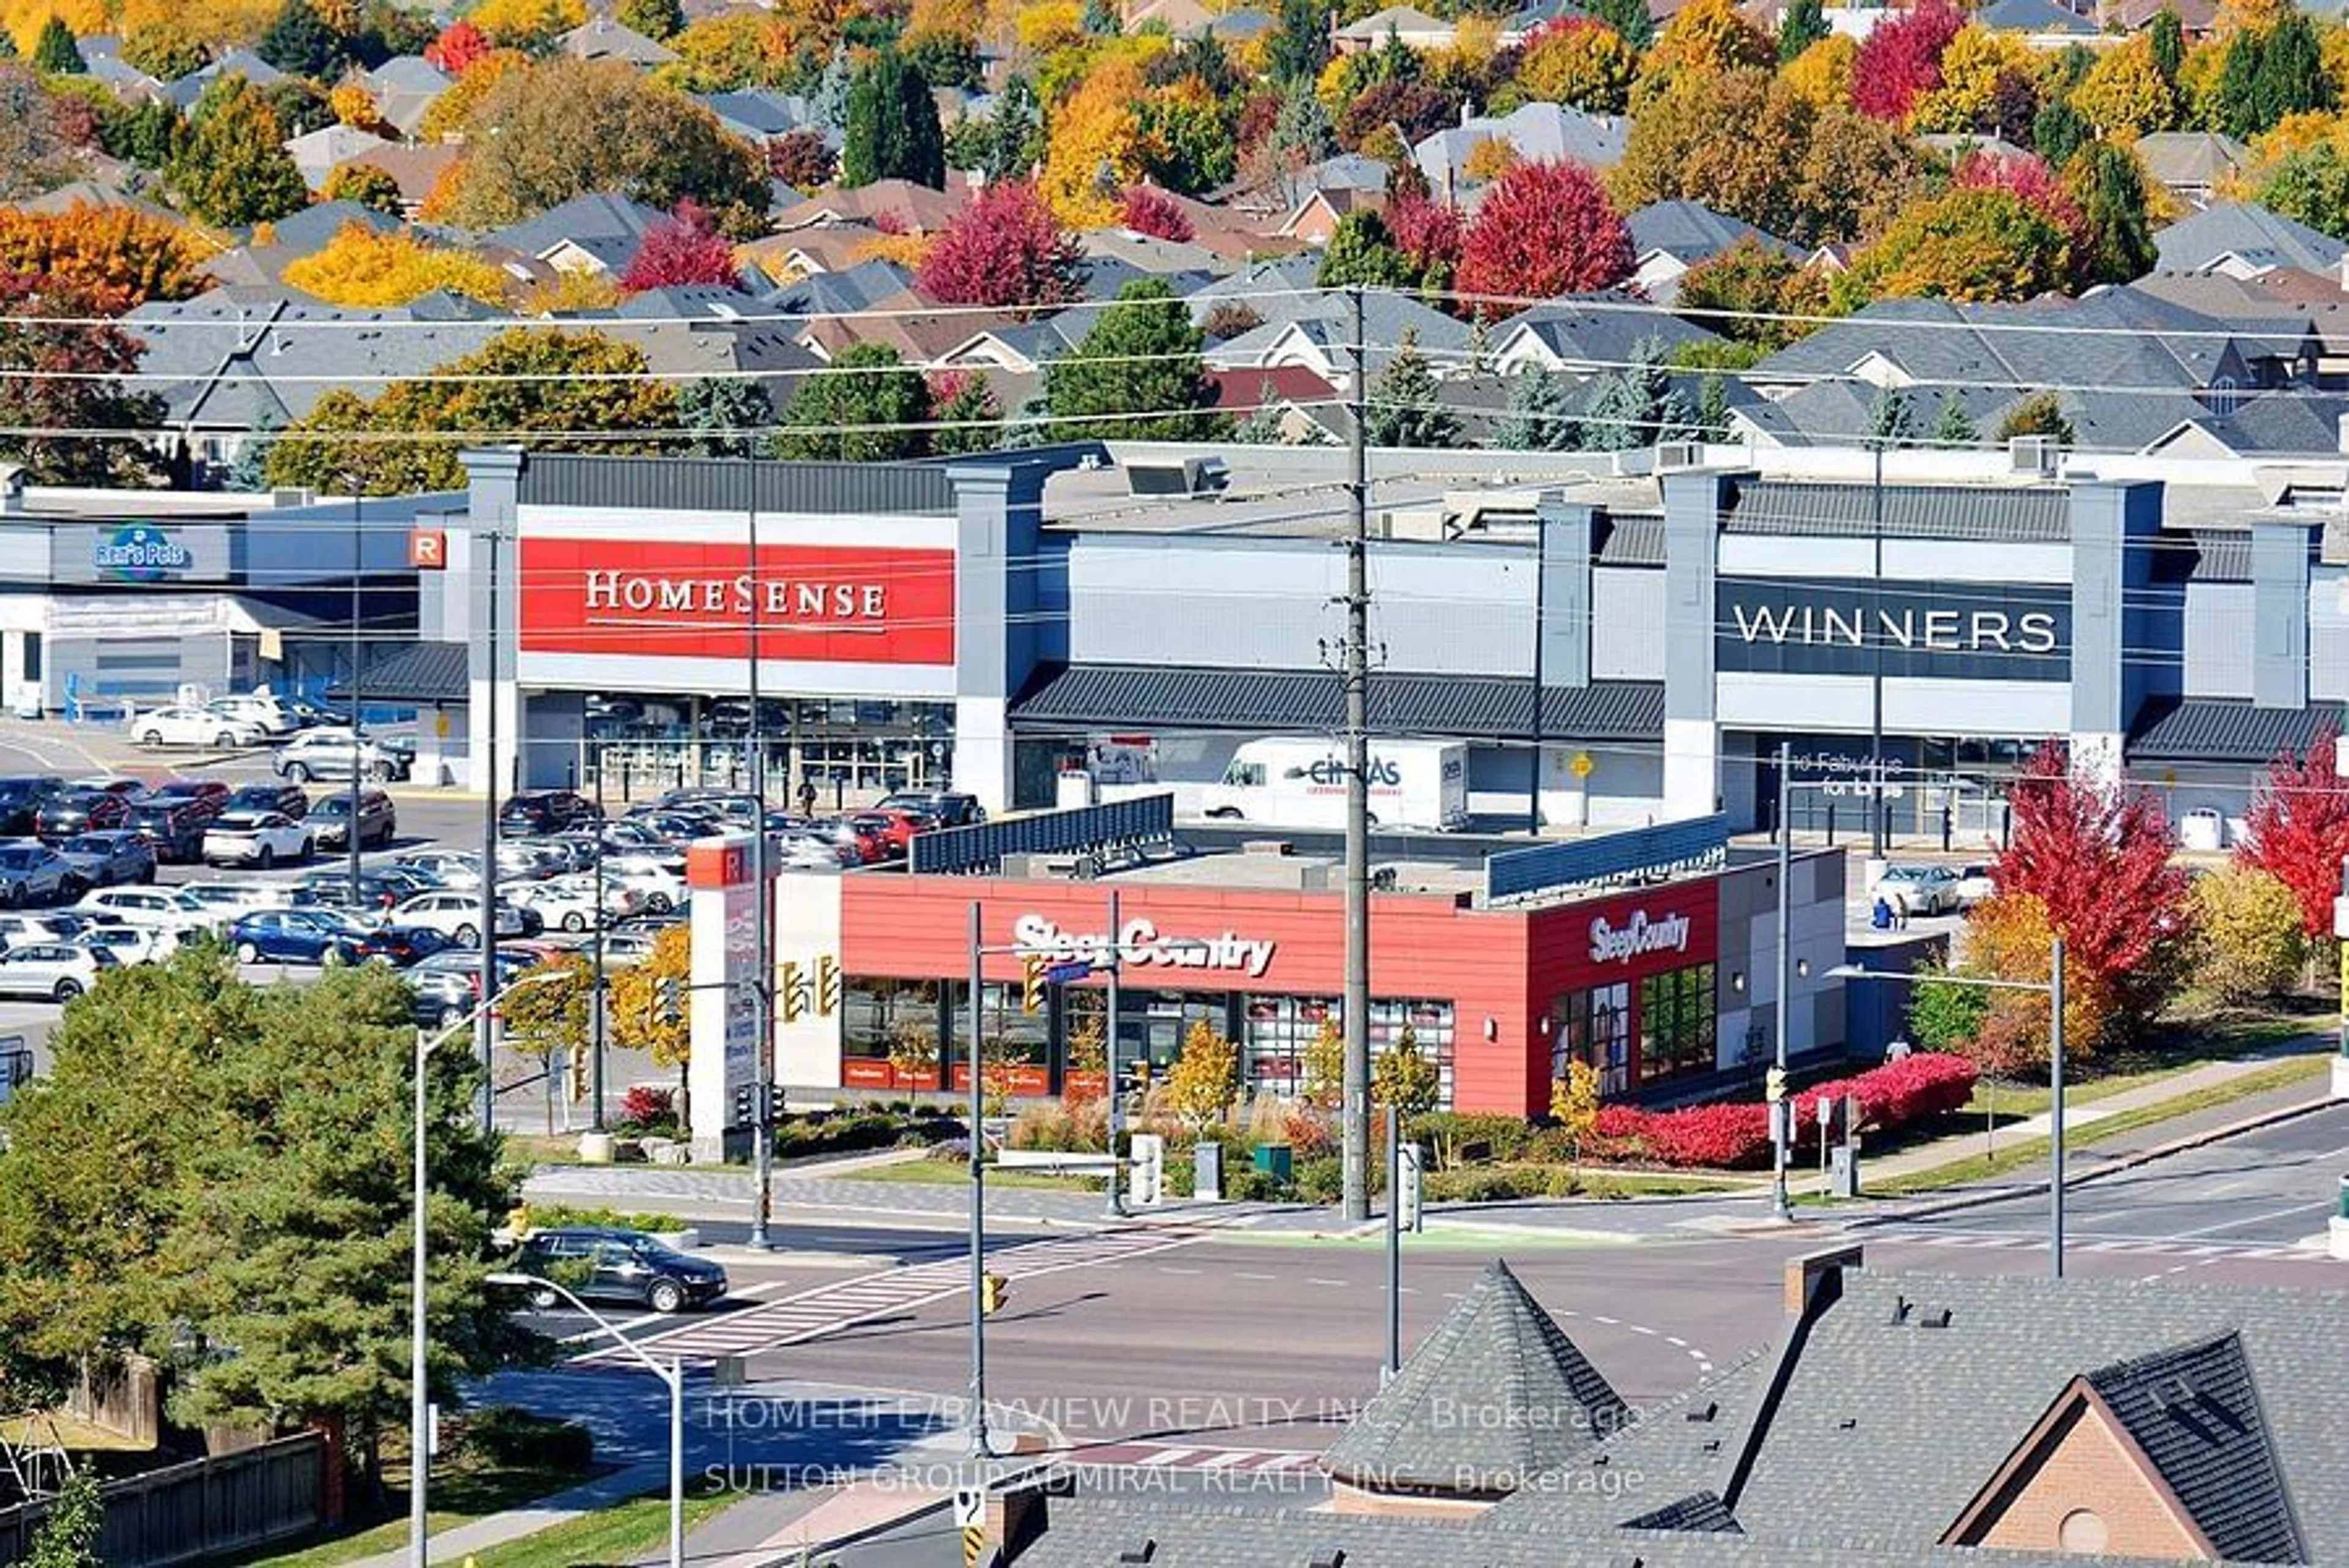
(1545, 229)
(2026, 177)
(1428, 232)
(1006, 249)
(683, 249)
(459, 44)
(1147, 210)
(2097, 857)
(1901, 60)
(2297, 830)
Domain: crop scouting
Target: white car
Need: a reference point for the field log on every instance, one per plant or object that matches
(194, 727)
(261, 709)
(661, 889)
(224, 901)
(457, 916)
(1919, 887)
(57, 971)
(145, 907)
(260, 838)
(138, 944)
(1975, 882)
(327, 754)
(569, 902)
(529, 862)
(448, 867)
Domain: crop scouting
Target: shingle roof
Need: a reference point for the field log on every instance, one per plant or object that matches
(2236, 228)
(1496, 1395)
(1596, 331)
(1992, 514)
(427, 672)
(2195, 1411)
(1691, 230)
(1701, 1510)
(2033, 16)
(1469, 707)
(597, 221)
(2227, 730)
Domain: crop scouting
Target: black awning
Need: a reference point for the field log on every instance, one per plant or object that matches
(2227, 730)
(1471, 707)
(433, 673)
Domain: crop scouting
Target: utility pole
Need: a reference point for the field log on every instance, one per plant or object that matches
(1781, 1112)
(762, 1011)
(359, 704)
(1116, 1205)
(978, 1446)
(486, 1028)
(1356, 1185)
(2055, 1109)
(1877, 813)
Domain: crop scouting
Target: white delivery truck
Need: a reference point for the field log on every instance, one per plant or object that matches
(1300, 782)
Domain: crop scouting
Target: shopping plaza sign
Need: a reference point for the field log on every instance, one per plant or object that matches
(1637, 934)
(710, 600)
(1139, 943)
(2011, 631)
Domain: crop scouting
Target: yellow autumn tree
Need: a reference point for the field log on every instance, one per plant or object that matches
(354, 106)
(361, 267)
(522, 22)
(1097, 146)
(730, 51)
(1821, 74)
(119, 254)
(26, 18)
(1582, 62)
(1489, 159)
(1970, 68)
(1049, 26)
(2124, 93)
(450, 111)
(1707, 37)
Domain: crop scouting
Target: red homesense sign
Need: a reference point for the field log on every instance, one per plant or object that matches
(683, 600)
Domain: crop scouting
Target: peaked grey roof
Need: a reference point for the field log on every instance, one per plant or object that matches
(841, 293)
(1990, 513)
(602, 222)
(408, 73)
(313, 227)
(2227, 730)
(1598, 330)
(2031, 16)
(1497, 1394)
(426, 673)
(2195, 1411)
(1280, 700)
(1323, 320)
(2242, 228)
(1692, 231)
(761, 113)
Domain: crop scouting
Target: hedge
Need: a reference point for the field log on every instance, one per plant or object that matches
(1914, 1089)
(1737, 1135)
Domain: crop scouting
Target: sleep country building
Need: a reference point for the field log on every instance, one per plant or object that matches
(1625, 637)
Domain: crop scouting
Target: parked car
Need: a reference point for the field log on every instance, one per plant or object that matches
(330, 888)
(458, 917)
(33, 873)
(659, 884)
(813, 852)
(194, 727)
(138, 944)
(568, 903)
(530, 860)
(224, 901)
(78, 811)
(945, 807)
(630, 943)
(208, 797)
(296, 935)
(260, 838)
(21, 795)
(544, 811)
(144, 907)
(1919, 888)
(598, 1263)
(259, 709)
(328, 753)
(24, 929)
(104, 859)
(445, 867)
(111, 784)
(405, 880)
(446, 986)
(173, 828)
(330, 820)
(404, 945)
(1975, 883)
(58, 971)
(286, 799)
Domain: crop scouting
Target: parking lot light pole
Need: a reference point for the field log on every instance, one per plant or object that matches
(2052, 988)
(351, 828)
(671, 1373)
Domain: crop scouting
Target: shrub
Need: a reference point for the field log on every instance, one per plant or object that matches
(2248, 934)
(648, 1108)
(1720, 1137)
(1455, 1136)
(505, 1435)
(1898, 1094)
(1319, 1181)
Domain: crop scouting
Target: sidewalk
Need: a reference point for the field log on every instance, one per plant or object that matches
(498, 1529)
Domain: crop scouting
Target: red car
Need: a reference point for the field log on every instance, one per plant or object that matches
(892, 830)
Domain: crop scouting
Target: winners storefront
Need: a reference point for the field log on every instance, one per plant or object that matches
(1654, 988)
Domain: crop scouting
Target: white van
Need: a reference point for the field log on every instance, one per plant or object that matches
(1300, 782)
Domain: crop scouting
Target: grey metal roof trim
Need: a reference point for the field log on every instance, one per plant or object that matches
(719, 484)
(2227, 730)
(1257, 701)
(1994, 514)
(1632, 539)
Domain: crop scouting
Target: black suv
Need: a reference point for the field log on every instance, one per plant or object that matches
(174, 827)
(379, 819)
(541, 811)
(287, 799)
(79, 811)
(596, 1262)
(21, 797)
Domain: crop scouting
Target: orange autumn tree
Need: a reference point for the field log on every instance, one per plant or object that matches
(121, 256)
(361, 267)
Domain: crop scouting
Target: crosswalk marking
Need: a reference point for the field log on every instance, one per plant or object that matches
(2124, 1246)
(830, 1309)
(1170, 1456)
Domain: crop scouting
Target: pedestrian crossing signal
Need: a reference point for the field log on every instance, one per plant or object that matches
(1031, 989)
(1774, 1084)
(994, 1290)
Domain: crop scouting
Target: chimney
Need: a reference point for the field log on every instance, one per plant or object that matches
(1816, 1278)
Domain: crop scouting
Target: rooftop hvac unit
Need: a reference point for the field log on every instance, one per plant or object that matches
(1183, 476)
(2037, 455)
(1679, 455)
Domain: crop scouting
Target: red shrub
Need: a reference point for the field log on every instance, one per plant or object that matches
(1150, 211)
(643, 1103)
(1896, 1094)
(1718, 1137)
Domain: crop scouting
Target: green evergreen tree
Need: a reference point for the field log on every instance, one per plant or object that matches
(1541, 413)
(2040, 413)
(1362, 251)
(2239, 87)
(829, 102)
(893, 131)
(2312, 187)
(7, 45)
(724, 413)
(1713, 408)
(1890, 421)
(1953, 427)
(1141, 358)
(2291, 75)
(1101, 19)
(2168, 36)
(232, 168)
(69, 1536)
(298, 42)
(869, 407)
(2110, 188)
(55, 54)
(1299, 46)
(248, 470)
(1804, 24)
(1404, 407)
(968, 419)
(1014, 143)
(656, 19)
(1629, 17)
(2057, 131)
(1261, 426)
(1637, 406)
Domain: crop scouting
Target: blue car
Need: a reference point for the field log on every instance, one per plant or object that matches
(295, 936)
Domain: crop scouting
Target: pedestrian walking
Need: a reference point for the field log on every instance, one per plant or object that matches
(807, 795)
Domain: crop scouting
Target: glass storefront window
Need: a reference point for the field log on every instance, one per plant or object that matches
(1429, 1024)
(889, 1033)
(1677, 1020)
(1018, 1044)
(1276, 1035)
(1594, 1027)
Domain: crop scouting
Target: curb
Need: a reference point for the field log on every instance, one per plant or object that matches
(2128, 1162)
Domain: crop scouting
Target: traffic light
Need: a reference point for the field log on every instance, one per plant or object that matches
(1407, 1187)
(827, 985)
(578, 1072)
(746, 1105)
(1774, 1084)
(994, 1290)
(787, 986)
(1148, 1162)
(672, 1001)
(1032, 990)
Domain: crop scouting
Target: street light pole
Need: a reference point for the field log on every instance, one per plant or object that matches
(1780, 1207)
(2055, 1109)
(1355, 1135)
(1115, 1208)
(596, 1069)
(486, 1041)
(1877, 814)
(351, 825)
(1393, 1363)
(978, 1199)
(762, 1009)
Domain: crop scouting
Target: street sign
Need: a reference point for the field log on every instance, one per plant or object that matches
(970, 1506)
(1068, 973)
(1582, 766)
